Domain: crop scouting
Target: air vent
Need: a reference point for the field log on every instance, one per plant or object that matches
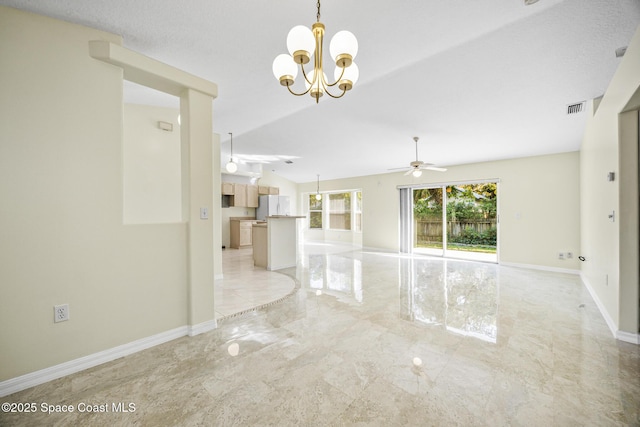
(575, 108)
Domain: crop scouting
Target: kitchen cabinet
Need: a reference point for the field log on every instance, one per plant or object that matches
(240, 195)
(244, 195)
(252, 196)
(240, 235)
(227, 189)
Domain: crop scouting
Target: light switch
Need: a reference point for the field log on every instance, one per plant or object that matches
(204, 213)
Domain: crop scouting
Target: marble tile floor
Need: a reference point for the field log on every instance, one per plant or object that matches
(377, 339)
(245, 287)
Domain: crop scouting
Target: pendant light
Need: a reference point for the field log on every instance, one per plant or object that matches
(318, 195)
(231, 166)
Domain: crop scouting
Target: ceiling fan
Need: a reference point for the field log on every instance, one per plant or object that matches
(416, 167)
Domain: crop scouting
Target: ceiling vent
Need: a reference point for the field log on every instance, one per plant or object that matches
(575, 108)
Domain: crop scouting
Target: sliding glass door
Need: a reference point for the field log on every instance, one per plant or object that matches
(428, 221)
(472, 221)
(455, 220)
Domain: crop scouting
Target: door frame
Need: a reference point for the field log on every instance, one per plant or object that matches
(407, 244)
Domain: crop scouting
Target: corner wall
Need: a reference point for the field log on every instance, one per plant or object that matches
(611, 247)
(62, 238)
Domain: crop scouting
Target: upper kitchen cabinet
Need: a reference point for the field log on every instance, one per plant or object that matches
(240, 195)
(244, 195)
(252, 196)
(227, 189)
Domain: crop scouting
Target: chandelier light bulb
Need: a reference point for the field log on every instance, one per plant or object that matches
(318, 196)
(416, 173)
(300, 39)
(285, 69)
(349, 78)
(343, 43)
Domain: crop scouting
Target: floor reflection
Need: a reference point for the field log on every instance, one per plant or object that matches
(461, 296)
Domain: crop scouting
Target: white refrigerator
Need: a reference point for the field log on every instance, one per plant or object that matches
(272, 205)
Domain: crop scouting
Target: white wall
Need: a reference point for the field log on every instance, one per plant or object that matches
(62, 237)
(151, 165)
(539, 201)
(610, 145)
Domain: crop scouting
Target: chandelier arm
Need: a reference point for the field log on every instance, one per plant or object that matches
(337, 81)
(335, 96)
(304, 74)
(298, 94)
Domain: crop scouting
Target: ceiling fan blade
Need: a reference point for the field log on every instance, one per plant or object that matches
(397, 169)
(434, 168)
(410, 171)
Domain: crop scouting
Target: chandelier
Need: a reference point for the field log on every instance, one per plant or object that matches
(302, 44)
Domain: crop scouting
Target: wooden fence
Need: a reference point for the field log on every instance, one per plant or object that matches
(427, 231)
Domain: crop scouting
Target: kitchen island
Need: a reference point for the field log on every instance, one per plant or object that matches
(275, 242)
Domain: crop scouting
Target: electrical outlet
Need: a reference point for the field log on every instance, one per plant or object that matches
(60, 313)
(560, 255)
(569, 255)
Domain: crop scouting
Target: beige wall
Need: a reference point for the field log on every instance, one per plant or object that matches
(539, 201)
(151, 165)
(611, 248)
(61, 218)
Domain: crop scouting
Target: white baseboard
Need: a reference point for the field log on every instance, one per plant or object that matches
(203, 327)
(42, 376)
(607, 318)
(618, 334)
(628, 337)
(540, 267)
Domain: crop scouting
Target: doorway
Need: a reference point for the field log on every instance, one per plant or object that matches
(455, 220)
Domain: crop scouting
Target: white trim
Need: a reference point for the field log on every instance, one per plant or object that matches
(203, 327)
(42, 376)
(218, 277)
(628, 337)
(617, 334)
(607, 318)
(447, 183)
(540, 267)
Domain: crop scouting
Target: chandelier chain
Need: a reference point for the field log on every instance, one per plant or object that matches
(318, 14)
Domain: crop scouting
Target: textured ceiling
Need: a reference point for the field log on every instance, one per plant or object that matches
(476, 80)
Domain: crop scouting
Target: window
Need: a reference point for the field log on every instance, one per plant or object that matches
(315, 212)
(336, 211)
(340, 211)
(357, 215)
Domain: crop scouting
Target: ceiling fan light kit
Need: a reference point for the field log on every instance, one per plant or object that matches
(417, 166)
(302, 44)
